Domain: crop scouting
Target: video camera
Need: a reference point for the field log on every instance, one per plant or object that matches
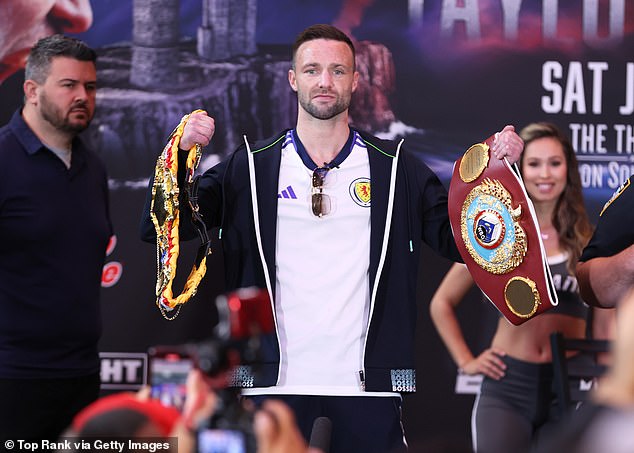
(243, 316)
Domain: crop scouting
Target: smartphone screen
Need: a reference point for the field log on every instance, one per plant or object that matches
(168, 376)
(221, 441)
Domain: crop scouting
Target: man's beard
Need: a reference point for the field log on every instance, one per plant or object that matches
(326, 112)
(53, 115)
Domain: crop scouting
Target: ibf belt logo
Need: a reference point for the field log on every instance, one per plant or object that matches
(123, 370)
(360, 192)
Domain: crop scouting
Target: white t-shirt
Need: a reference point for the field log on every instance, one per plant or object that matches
(322, 289)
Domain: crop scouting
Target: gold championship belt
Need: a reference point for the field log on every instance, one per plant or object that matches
(165, 214)
(497, 234)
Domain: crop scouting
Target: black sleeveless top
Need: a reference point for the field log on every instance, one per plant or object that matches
(570, 302)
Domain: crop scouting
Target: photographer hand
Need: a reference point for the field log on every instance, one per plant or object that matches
(276, 431)
(200, 404)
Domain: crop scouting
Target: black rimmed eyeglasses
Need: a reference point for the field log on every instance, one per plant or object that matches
(320, 200)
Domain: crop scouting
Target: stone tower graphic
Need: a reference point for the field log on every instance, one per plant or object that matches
(155, 37)
(228, 29)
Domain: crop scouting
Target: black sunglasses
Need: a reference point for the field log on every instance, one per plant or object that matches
(320, 201)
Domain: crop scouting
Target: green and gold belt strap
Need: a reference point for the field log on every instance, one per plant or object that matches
(165, 214)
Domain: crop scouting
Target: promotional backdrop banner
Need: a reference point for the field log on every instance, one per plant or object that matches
(441, 74)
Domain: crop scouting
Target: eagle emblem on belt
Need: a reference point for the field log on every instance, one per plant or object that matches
(490, 228)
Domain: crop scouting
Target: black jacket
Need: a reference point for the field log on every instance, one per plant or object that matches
(419, 212)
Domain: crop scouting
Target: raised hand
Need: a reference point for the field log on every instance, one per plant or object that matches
(199, 129)
(508, 144)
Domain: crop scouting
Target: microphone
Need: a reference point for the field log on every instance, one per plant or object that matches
(320, 435)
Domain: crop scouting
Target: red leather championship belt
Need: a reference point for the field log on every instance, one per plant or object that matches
(497, 234)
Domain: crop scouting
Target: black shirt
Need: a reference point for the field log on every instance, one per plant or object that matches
(614, 232)
(55, 226)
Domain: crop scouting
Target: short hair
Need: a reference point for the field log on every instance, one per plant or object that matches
(38, 63)
(322, 31)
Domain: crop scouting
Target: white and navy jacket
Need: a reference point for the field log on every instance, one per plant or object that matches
(401, 184)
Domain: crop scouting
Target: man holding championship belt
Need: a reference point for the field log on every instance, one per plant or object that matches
(329, 220)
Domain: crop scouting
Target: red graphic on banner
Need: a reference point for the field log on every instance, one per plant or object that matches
(111, 270)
